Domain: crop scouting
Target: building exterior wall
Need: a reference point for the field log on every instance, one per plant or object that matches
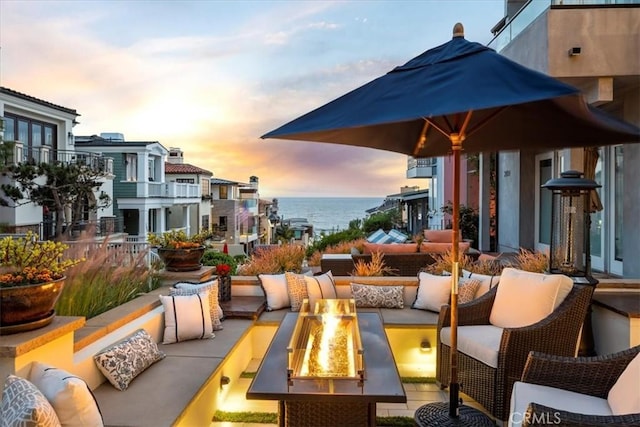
(607, 71)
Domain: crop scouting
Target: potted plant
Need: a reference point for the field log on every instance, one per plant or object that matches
(178, 251)
(224, 282)
(31, 280)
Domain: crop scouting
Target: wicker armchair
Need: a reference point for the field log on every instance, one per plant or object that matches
(590, 376)
(491, 387)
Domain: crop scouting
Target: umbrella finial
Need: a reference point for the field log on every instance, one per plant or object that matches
(458, 30)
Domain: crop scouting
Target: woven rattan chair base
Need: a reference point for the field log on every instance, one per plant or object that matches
(437, 414)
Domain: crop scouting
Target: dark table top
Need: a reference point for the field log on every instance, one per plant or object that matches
(382, 382)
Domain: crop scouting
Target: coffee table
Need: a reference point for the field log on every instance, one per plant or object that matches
(345, 403)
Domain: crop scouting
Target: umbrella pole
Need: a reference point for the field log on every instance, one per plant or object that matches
(454, 386)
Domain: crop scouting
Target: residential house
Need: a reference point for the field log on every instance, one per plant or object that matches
(184, 173)
(235, 215)
(142, 196)
(595, 46)
(43, 132)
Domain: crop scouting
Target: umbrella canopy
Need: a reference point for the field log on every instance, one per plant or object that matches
(415, 107)
(460, 95)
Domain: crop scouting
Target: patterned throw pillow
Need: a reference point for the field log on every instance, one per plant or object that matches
(121, 362)
(186, 317)
(23, 404)
(379, 236)
(297, 289)
(215, 311)
(378, 296)
(467, 289)
(69, 395)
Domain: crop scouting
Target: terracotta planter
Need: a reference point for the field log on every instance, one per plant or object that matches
(181, 259)
(27, 307)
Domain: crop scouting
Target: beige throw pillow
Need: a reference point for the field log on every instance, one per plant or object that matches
(524, 298)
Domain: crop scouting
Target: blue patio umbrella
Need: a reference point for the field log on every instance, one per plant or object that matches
(460, 96)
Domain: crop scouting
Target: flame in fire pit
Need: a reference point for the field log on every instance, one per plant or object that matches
(330, 322)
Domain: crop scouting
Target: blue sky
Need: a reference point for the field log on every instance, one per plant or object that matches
(211, 77)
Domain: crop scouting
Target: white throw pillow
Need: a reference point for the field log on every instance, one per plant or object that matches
(69, 395)
(433, 292)
(22, 404)
(215, 311)
(275, 290)
(624, 396)
(319, 287)
(124, 360)
(486, 281)
(524, 298)
(186, 317)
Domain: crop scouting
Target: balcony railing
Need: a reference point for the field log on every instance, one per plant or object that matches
(527, 14)
(44, 154)
(165, 189)
(422, 167)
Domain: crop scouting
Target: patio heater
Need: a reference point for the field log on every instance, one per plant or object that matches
(570, 249)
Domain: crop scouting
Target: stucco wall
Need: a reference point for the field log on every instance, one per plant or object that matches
(605, 35)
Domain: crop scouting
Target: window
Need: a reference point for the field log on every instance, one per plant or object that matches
(185, 180)
(131, 166)
(204, 183)
(31, 133)
(222, 223)
(152, 169)
(224, 192)
(205, 222)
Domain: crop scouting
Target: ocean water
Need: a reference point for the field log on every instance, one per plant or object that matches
(327, 214)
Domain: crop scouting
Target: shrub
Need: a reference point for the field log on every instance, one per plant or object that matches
(327, 240)
(339, 248)
(385, 220)
(443, 262)
(214, 258)
(110, 277)
(274, 260)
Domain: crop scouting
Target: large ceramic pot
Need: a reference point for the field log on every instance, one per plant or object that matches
(27, 307)
(181, 259)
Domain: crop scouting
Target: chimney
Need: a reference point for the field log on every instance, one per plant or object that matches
(175, 156)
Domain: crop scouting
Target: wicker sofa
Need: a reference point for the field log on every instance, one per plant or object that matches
(554, 388)
(491, 386)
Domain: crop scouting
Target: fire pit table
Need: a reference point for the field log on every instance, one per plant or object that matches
(328, 367)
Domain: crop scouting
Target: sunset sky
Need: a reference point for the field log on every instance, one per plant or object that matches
(211, 77)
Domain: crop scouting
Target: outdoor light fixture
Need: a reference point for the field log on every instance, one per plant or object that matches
(224, 380)
(575, 51)
(425, 346)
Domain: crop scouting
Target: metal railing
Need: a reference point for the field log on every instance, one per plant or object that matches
(103, 227)
(44, 154)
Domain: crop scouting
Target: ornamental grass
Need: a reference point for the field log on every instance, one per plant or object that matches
(110, 276)
(274, 260)
(375, 267)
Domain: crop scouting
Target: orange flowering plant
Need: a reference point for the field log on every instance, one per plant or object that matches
(26, 260)
(178, 239)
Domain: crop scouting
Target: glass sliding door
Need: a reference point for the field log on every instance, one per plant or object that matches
(597, 234)
(544, 172)
(616, 204)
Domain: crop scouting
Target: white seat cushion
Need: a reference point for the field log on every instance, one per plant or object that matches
(481, 342)
(524, 298)
(525, 393)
